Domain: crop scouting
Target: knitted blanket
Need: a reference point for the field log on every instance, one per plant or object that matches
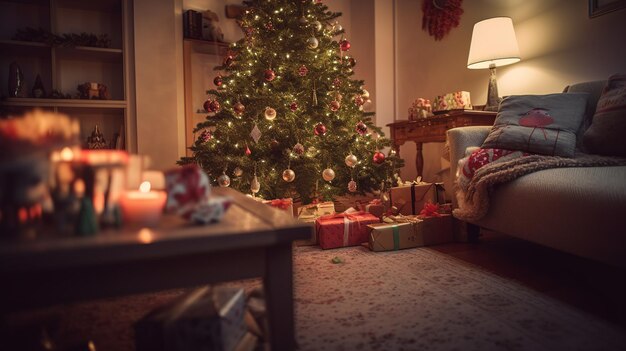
(473, 196)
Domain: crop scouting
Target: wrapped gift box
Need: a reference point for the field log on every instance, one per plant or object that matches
(458, 100)
(428, 230)
(394, 236)
(309, 214)
(375, 207)
(410, 198)
(204, 319)
(344, 229)
(281, 204)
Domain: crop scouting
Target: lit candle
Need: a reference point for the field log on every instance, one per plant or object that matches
(143, 207)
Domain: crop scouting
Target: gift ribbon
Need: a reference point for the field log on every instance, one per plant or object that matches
(413, 198)
(396, 237)
(347, 219)
(283, 204)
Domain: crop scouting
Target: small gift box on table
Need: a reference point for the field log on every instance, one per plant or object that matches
(344, 229)
(395, 236)
(281, 204)
(204, 319)
(410, 197)
(375, 207)
(310, 213)
(458, 100)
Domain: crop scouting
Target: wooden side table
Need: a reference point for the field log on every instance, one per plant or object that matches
(433, 129)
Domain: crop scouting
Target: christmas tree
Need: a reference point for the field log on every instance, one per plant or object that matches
(286, 119)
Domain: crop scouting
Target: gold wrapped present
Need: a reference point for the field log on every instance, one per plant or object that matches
(394, 236)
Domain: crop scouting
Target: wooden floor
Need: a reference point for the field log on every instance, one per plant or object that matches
(594, 287)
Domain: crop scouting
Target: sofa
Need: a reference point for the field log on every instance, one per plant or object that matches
(579, 210)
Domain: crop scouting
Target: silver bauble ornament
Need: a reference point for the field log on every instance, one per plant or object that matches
(365, 94)
(223, 180)
(312, 43)
(270, 113)
(255, 186)
(328, 174)
(352, 186)
(351, 160)
(317, 25)
(289, 175)
(238, 172)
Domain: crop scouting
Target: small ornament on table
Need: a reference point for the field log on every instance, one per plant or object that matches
(298, 149)
(96, 140)
(239, 108)
(293, 106)
(218, 81)
(303, 71)
(328, 174)
(378, 158)
(351, 160)
(320, 129)
(312, 43)
(255, 134)
(270, 113)
(344, 44)
(352, 186)
(335, 105)
(361, 128)
(223, 180)
(289, 175)
(269, 75)
(237, 172)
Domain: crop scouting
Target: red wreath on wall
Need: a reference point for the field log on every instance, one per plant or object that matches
(440, 16)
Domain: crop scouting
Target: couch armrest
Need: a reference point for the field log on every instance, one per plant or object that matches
(460, 139)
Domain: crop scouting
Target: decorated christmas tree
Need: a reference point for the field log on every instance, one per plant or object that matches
(286, 119)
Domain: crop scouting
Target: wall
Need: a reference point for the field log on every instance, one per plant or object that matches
(558, 43)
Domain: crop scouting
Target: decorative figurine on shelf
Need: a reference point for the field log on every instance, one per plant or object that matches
(16, 81)
(210, 30)
(93, 91)
(38, 90)
(96, 140)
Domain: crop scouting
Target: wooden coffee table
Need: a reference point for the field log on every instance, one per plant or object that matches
(253, 240)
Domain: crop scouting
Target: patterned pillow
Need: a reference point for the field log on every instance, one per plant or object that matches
(607, 133)
(540, 124)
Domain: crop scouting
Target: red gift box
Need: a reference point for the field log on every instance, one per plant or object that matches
(344, 229)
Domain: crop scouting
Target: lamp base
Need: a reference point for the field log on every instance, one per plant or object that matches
(493, 100)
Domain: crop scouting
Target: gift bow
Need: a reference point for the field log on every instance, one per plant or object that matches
(283, 204)
(430, 210)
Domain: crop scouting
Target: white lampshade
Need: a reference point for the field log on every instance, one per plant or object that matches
(493, 42)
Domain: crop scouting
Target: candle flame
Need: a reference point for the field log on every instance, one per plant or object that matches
(67, 154)
(144, 187)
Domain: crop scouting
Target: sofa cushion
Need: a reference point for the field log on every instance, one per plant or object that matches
(542, 124)
(607, 133)
(594, 88)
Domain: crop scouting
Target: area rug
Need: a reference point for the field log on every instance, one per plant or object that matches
(416, 299)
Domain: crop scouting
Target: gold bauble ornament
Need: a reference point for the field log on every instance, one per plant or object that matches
(270, 114)
(351, 160)
(289, 175)
(328, 174)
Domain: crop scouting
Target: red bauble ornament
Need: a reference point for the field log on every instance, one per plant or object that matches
(293, 106)
(269, 26)
(302, 71)
(218, 81)
(269, 75)
(205, 136)
(344, 45)
(361, 128)
(336, 83)
(335, 105)
(441, 16)
(358, 100)
(239, 108)
(211, 105)
(228, 60)
(378, 158)
(320, 129)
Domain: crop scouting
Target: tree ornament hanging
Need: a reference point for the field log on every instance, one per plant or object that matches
(351, 161)
(228, 60)
(328, 174)
(440, 16)
(352, 186)
(205, 136)
(270, 113)
(293, 106)
(218, 81)
(350, 61)
(358, 100)
(223, 180)
(317, 25)
(255, 133)
(248, 152)
(365, 94)
(211, 105)
(298, 149)
(303, 20)
(344, 45)
(312, 43)
(269, 26)
(289, 175)
(255, 186)
(336, 83)
(237, 172)
(269, 75)
(378, 157)
(337, 27)
(239, 108)
(361, 128)
(302, 71)
(320, 129)
(335, 105)
(274, 145)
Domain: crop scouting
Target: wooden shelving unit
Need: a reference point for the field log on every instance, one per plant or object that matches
(63, 68)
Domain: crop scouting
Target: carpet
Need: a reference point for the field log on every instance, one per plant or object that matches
(416, 299)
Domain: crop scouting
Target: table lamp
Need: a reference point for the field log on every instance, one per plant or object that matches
(493, 45)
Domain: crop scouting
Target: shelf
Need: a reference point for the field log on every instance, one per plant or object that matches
(91, 53)
(208, 47)
(113, 6)
(15, 47)
(31, 102)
